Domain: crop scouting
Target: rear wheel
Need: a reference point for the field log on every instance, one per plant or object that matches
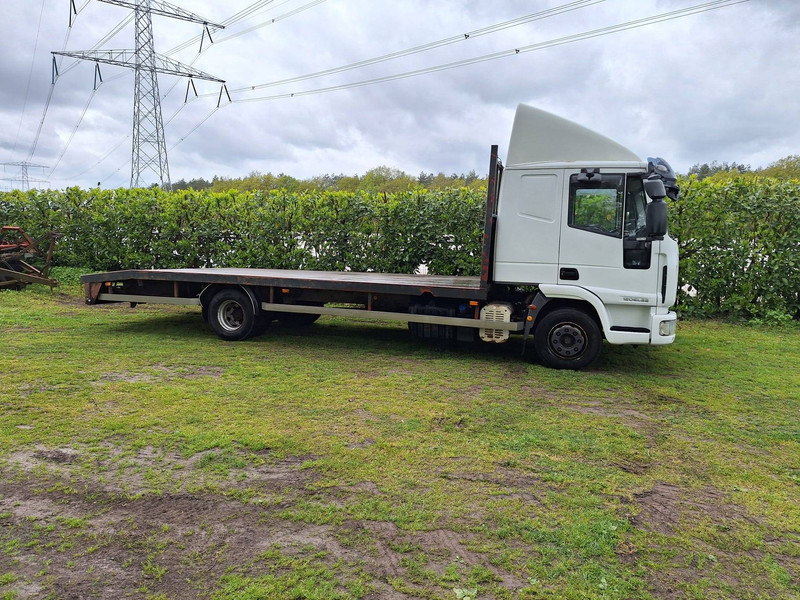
(231, 315)
(567, 339)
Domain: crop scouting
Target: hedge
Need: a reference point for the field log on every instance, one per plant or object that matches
(739, 242)
(121, 229)
(739, 237)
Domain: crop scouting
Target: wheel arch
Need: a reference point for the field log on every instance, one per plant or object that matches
(555, 304)
(561, 296)
(212, 289)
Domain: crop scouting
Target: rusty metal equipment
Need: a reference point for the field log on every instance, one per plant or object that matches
(17, 251)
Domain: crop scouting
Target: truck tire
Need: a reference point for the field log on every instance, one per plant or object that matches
(567, 339)
(231, 315)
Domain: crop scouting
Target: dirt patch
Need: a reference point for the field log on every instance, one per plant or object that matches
(80, 541)
(670, 511)
(666, 508)
(89, 525)
(59, 455)
(161, 373)
(147, 469)
(627, 415)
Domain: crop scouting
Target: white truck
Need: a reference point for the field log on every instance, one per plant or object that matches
(575, 251)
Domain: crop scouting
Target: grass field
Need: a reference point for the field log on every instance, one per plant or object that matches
(142, 457)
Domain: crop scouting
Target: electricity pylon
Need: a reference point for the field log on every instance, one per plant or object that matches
(23, 179)
(149, 150)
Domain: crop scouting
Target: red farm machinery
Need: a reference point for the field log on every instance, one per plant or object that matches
(24, 259)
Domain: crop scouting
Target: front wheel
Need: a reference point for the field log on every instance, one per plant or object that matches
(231, 315)
(567, 339)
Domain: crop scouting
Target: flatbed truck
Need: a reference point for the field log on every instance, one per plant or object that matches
(575, 251)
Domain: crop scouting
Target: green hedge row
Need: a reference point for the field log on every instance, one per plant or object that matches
(739, 237)
(120, 229)
(739, 246)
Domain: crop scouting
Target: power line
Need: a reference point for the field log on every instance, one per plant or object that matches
(44, 113)
(75, 129)
(119, 144)
(30, 76)
(55, 75)
(195, 128)
(663, 17)
(242, 14)
(432, 45)
(238, 17)
(24, 179)
(119, 27)
(273, 21)
(149, 151)
(52, 88)
(692, 10)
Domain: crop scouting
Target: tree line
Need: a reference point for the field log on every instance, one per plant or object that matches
(389, 180)
(378, 180)
(787, 167)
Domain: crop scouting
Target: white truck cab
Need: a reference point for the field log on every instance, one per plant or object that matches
(574, 219)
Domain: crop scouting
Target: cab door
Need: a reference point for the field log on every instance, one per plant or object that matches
(599, 249)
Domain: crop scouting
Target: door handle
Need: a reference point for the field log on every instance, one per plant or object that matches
(568, 274)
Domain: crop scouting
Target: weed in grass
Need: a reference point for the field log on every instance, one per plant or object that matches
(466, 593)
(153, 570)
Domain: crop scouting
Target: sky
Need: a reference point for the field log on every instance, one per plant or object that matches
(716, 85)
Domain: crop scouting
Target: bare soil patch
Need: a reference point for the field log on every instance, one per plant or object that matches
(668, 510)
(665, 507)
(73, 538)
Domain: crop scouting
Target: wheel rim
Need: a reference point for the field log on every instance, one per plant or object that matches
(230, 315)
(567, 340)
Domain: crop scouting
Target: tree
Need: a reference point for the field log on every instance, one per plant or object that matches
(386, 179)
(787, 167)
(192, 184)
(425, 179)
(707, 170)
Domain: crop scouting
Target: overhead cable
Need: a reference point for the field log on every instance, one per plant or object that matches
(692, 10)
(30, 76)
(272, 21)
(432, 45)
(236, 18)
(74, 130)
(115, 148)
(119, 27)
(241, 15)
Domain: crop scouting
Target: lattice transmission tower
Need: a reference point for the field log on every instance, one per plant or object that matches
(23, 179)
(149, 150)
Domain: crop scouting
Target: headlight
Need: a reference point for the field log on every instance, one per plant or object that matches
(666, 328)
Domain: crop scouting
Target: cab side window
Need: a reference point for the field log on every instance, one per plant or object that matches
(635, 208)
(596, 203)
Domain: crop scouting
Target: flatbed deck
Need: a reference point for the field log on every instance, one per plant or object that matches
(387, 296)
(456, 287)
(238, 302)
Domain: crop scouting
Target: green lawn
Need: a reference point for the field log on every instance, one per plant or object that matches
(141, 456)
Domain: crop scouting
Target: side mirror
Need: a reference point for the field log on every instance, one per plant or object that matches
(655, 189)
(656, 216)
